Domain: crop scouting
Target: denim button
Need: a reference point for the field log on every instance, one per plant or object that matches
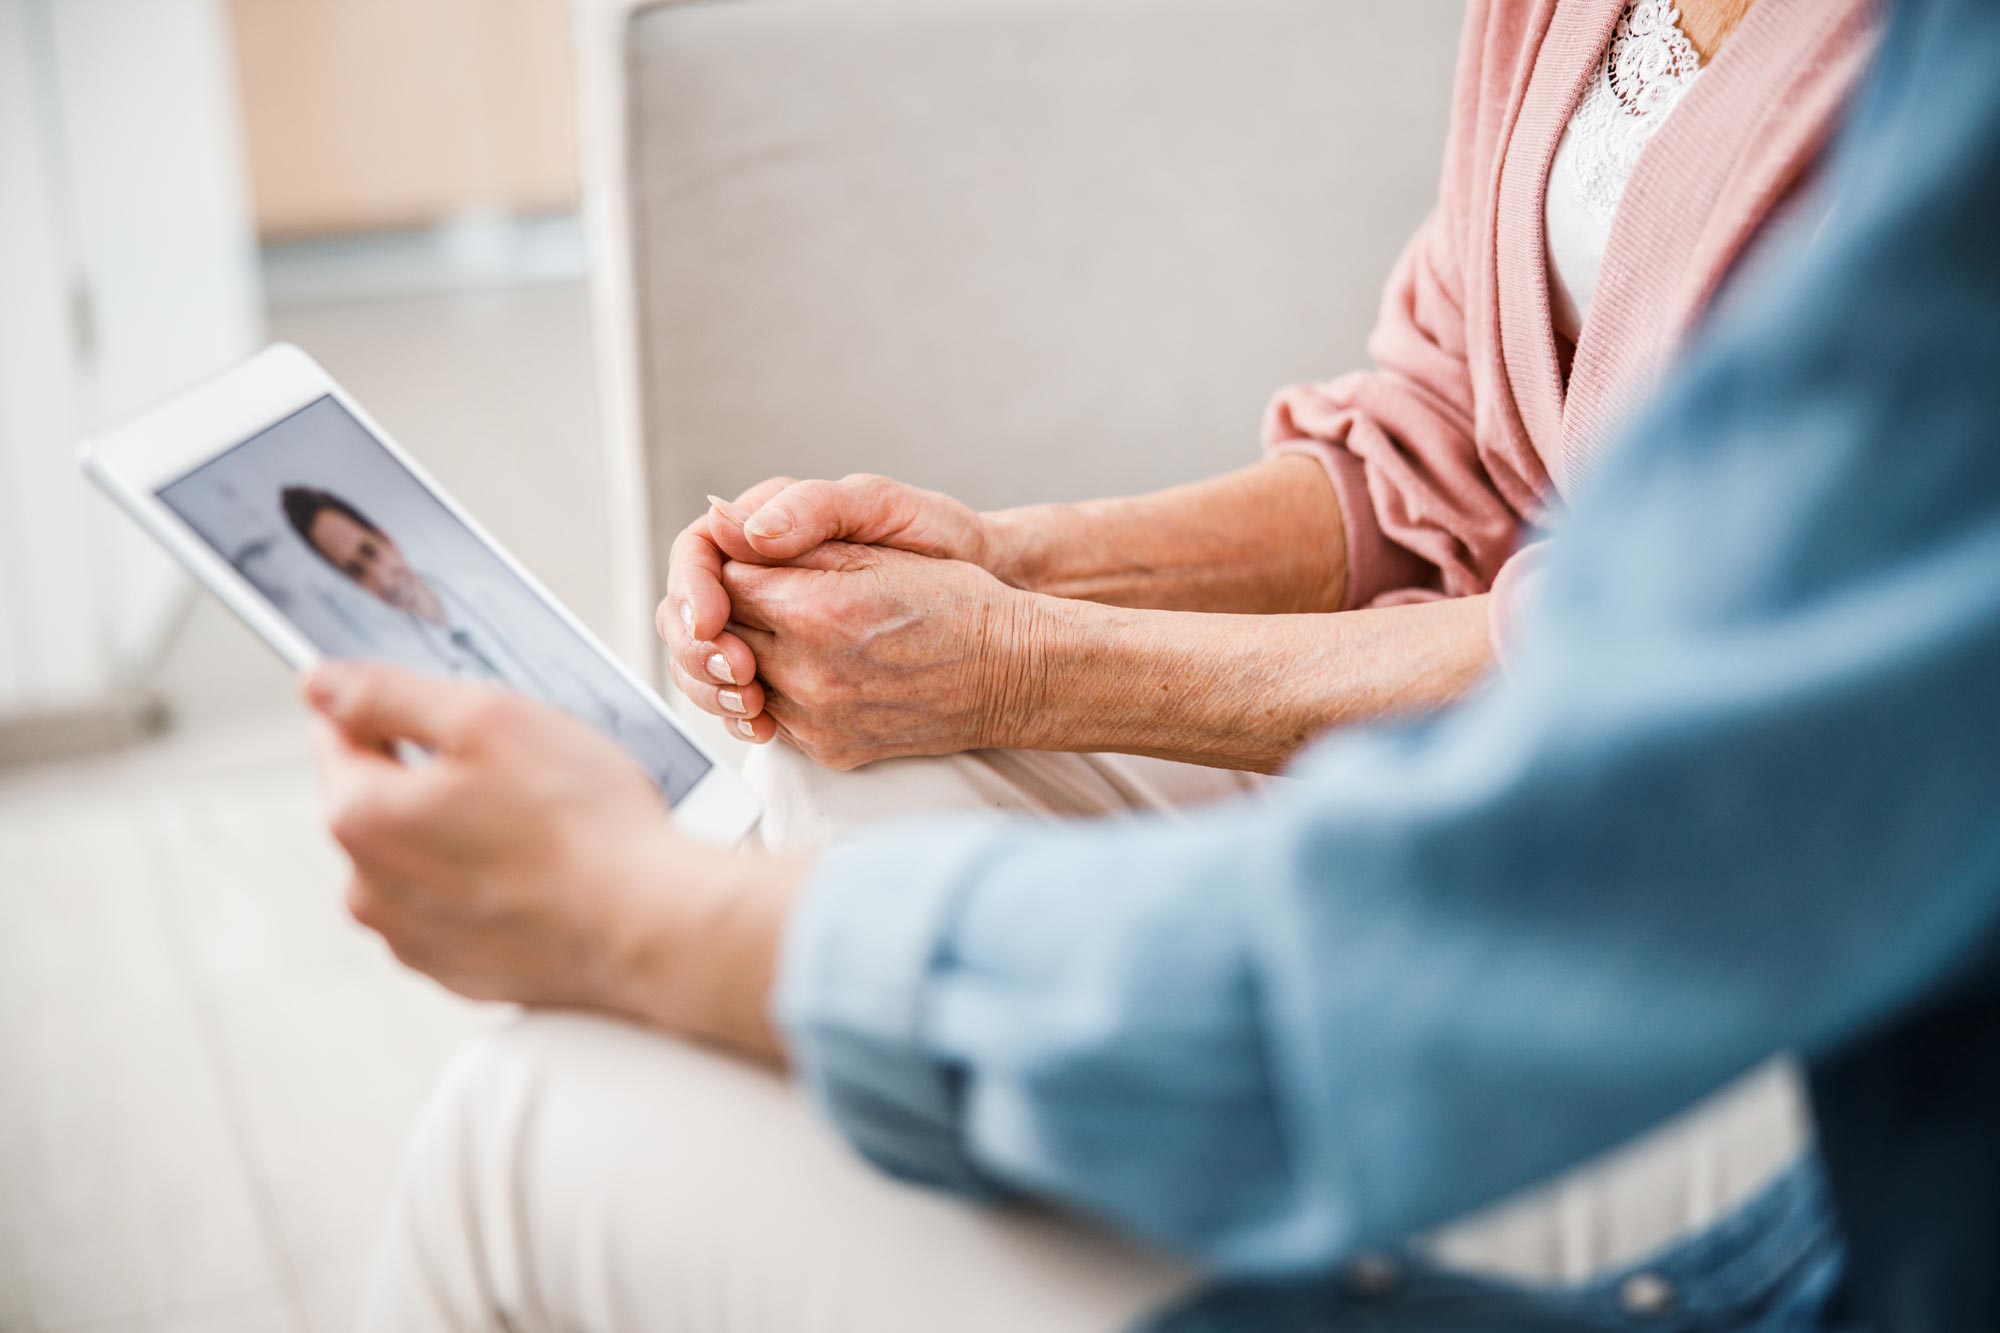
(1647, 1295)
(1373, 1276)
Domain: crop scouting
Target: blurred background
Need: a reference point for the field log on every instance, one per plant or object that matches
(392, 185)
(205, 1073)
(587, 260)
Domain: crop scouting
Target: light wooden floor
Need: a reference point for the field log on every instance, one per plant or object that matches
(205, 1070)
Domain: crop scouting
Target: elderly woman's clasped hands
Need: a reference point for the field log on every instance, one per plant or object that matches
(866, 619)
(860, 619)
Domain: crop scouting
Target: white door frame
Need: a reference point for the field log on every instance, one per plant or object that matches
(127, 270)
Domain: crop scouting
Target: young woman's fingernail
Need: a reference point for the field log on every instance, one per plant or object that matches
(730, 700)
(718, 667)
(323, 687)
(770, 521)
(745, 728)
(687, 617)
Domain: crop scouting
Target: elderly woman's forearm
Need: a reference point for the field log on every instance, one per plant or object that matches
(1236, 691)
(1264, 539)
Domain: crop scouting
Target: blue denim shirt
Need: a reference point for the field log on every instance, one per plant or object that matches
(1740, 794)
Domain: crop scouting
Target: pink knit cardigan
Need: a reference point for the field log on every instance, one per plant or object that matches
(1465, 433)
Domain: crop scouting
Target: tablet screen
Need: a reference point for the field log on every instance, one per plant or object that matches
(330, 529)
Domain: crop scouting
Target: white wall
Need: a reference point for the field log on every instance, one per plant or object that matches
(127, 270)
(43, 633)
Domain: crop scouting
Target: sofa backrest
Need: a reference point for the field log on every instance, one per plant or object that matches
(1011, 249)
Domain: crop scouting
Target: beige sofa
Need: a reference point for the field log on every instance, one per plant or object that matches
(1028, 249)
(1012, 249)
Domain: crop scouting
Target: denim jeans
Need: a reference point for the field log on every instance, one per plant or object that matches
(1772, 1266)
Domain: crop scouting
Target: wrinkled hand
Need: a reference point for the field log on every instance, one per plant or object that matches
(775, 522)
(529, 858)
(867, 652)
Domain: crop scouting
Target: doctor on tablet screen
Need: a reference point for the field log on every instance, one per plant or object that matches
(463, 640)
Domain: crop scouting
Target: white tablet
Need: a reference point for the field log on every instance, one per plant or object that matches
(279, 493)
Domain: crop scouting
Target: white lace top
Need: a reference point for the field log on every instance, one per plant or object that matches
(1647, 69)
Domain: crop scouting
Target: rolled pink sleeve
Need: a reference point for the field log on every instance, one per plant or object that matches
(1424, 515)
(1374, 563)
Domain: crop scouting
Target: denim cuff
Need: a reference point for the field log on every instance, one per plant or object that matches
(851, 996)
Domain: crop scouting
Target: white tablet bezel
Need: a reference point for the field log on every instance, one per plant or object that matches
(134, 460)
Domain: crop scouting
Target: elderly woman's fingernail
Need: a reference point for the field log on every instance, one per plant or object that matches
(718, 667)
(734, 513)
(746, 729)
(730, 700)
(687, 617)
(770, 521)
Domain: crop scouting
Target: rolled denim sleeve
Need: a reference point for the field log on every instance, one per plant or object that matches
(984, 1009)
(1725, 803)
(852, 994)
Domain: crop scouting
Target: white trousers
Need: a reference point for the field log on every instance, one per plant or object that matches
(575, 1173)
